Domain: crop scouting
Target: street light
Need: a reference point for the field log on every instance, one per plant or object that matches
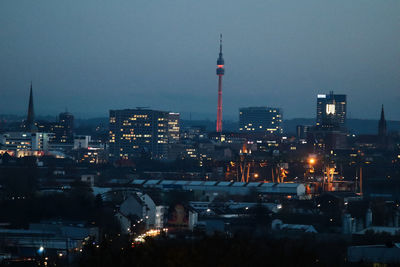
(311, 162)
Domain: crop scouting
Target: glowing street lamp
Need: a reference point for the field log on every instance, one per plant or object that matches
(311, 162)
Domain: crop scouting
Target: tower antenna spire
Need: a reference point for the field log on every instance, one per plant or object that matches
(220, 43)
(30, 119)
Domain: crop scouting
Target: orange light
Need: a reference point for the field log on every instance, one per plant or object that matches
(256, 175)
(311, 160)
(220, 66)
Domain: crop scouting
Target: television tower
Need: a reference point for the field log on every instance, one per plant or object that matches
(220, 73)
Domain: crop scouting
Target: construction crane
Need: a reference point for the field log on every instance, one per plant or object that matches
(244, 163)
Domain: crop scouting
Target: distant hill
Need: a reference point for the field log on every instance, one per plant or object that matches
(357, 126)
(289, 126)
(371, 126)
(229, 126)
(103, 121)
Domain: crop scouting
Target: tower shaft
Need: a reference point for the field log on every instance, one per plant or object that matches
(220, 73)
(219, 107)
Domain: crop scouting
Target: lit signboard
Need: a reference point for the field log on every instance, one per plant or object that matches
(321, 96)
(330, 109)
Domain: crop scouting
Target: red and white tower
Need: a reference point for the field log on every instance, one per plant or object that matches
(220, 73)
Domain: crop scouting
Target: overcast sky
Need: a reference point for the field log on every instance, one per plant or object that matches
(94, 55)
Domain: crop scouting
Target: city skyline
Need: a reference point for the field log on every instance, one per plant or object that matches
(126, 139)
(187, 115)
(293, 51)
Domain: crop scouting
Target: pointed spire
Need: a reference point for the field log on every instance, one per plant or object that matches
(220, 60)
(220, 43)
(382, 130)
(382, 114)
(31, 112)
(30, 119)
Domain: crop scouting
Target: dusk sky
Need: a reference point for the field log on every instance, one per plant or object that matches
(91, 56)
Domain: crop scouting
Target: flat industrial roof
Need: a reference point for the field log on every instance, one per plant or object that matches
(195, 182)
(163, 182)
(150, 182)
(138, 181)
(253, 184)
(290, 185)
(224, 183)
(180, 182)
(236, 184)
(209, 183)
(268, 185)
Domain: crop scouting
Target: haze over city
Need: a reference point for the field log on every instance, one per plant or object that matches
(92, 56)
(199, 133)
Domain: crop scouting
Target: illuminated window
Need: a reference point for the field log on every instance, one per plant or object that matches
(330, 109)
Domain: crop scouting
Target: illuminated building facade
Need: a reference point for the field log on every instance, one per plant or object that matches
(16, 141)
(40, 141)
(331, 111)
(137, 131)
(92, 155)
(302, 130)
(25, 141)
(173, 127)
(260, 120)
(64, 129)
(82, 141)
(30, 142)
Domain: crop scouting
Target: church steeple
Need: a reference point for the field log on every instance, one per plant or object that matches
(382, 130)
(30, 119)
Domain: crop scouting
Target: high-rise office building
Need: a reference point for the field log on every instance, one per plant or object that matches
(302, 131)
(260, 119)
(64, 128)
(173, 127)
(137, 131)
(331, 111)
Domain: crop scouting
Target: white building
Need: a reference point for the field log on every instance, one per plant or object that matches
(297, 190)
(22, 143)
(143, 206)
(81, 141)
